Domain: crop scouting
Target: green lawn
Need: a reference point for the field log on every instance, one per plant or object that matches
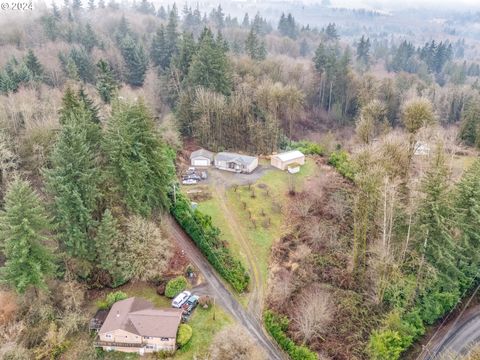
(204, 330)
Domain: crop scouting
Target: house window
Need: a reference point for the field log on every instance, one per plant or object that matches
(164, 339)
(150, 347)
(108, 336)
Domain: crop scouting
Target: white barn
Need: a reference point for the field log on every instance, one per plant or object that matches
(201, 158)
(282, 161)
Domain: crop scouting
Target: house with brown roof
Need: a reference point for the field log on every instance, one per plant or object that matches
(134, 325)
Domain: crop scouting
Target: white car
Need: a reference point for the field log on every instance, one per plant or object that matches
(189, 182)
(180, 299)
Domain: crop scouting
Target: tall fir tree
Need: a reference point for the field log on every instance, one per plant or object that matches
(106, 84)
(159, 52)
(32, 63)
(106, 242)
(254, 46)
(138, 159)
(73, 179)
(24, 229)
(210, 67)
(136, 61)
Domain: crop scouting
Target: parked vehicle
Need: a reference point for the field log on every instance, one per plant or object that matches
(180, 299)
(191, 170)
(189, 182)
(204, 175)
(190, 304)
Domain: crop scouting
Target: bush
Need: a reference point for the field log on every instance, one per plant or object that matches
(207, 237)
(387, 344)
(175, 286)
(111, 299)
(184, 334)
(307, 147)
(341, 161)
(276, 326)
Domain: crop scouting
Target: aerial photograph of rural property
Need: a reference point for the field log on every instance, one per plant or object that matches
(240, 179)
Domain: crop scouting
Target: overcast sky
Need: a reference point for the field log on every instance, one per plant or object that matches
(395, 4)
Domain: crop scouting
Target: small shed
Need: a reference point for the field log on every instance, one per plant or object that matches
(201, 158)
(283, 160)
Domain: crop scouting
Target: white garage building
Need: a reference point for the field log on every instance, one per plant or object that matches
(201, 158)
(283, 161)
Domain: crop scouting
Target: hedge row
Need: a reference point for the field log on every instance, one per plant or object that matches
(207, 237)
(340, 160)
(276, 326)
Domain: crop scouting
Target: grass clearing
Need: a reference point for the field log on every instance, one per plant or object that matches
(261, 216)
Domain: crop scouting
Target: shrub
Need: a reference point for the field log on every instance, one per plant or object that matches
(175, 286)
(111, 299)
(307, 147)
(341, 161)
(184, 334)
(276, 326)
(207, 237)
(386, 344)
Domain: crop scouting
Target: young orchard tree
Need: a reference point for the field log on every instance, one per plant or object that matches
(23, 236)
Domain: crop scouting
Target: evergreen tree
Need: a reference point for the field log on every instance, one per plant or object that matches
(101, 4)
(470, 125)
(138, 159)
(331, 32)
(135, 60)
(159, 52)
(467, 210)
(363, 52)
(32, 63)
(434, 234)
(77, 4)
(106, 243)
(146, 7)
(210, 66)
(73, 178)
(56, 12)
(171, 35)
(187, 50)
(255, 47)
(287, 26)
(24, 226)
(89, 38)
(304, 49)
(162, 14)
(106, 83)
(246, 21)
(84, 67)
(91, 4)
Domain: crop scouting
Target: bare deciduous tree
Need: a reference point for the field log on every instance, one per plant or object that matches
(314, 314)
(233, 343)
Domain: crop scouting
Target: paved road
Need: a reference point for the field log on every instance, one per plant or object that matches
(458, 340)
(223, 295)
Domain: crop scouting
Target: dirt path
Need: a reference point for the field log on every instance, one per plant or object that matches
(222, 295)
(255, 302)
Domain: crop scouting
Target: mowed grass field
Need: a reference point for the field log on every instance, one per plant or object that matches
(259, 208)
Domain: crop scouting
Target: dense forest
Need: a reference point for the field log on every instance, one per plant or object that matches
(98, 99)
